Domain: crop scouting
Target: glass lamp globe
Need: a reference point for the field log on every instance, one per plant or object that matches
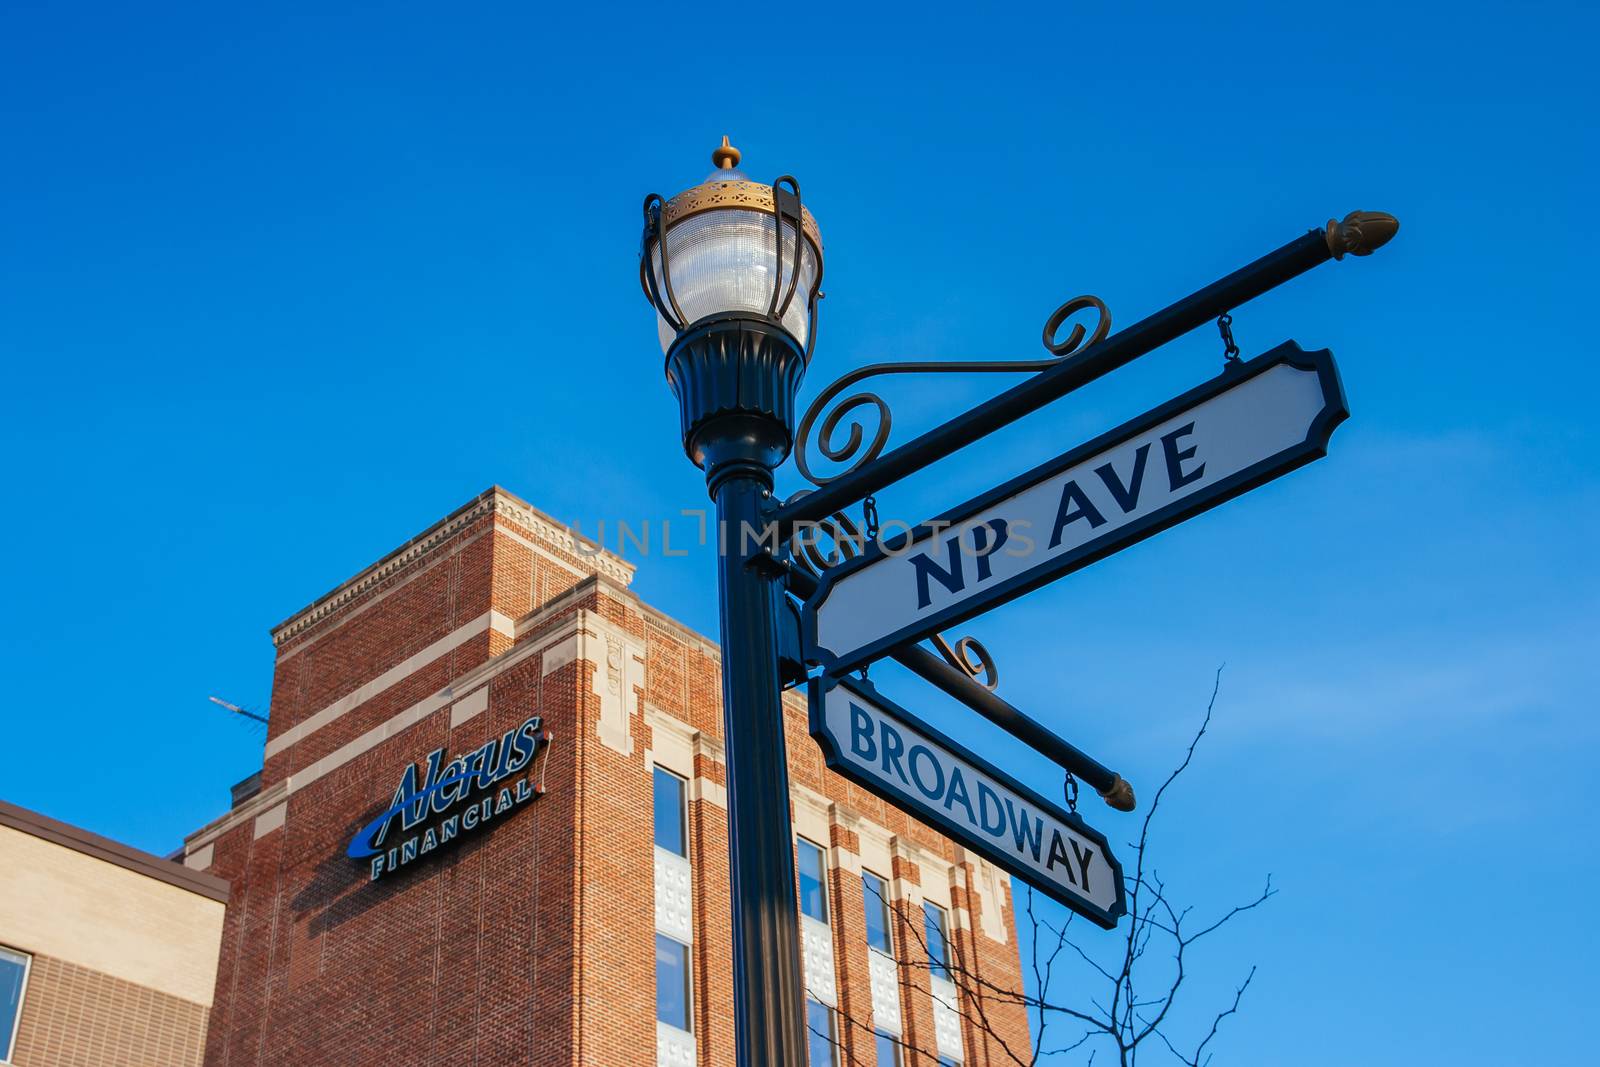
(723, 254)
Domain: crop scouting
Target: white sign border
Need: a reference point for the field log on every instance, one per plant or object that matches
(1315, 446)
(919, 809)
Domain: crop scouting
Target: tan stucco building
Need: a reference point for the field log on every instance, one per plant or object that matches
(108, 955)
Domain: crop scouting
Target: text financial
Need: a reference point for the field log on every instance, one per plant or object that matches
(474, 788)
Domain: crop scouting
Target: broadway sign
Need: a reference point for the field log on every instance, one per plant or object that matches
(1254, 422)
(886, 750)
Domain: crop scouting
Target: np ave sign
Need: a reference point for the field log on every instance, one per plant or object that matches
(1256, 421)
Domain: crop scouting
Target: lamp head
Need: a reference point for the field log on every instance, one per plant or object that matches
(724, 255)
(733, 269)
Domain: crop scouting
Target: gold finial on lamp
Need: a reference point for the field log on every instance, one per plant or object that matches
(725, 157)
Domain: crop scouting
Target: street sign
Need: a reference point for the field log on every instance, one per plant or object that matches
(886, 750)
(1256, 421)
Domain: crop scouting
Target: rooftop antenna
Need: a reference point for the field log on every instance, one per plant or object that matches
(237, 710)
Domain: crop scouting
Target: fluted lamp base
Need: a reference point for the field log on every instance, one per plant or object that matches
(736, 379)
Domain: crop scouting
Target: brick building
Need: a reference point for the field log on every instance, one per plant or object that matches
(419, 876)
(108, 955)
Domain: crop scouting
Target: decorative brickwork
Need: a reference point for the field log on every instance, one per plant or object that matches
(532, 941)
(75, 1017)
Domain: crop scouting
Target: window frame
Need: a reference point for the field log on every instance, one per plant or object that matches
(22, 999)
(940, 967)
(832, 1036)
(895, 1057)
(888, 913)
(688, 984)
(657, 772)
(822, 881)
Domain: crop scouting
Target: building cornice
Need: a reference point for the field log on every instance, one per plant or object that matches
(598, 583)
(113, 852)
(553, 533)
(493, 502)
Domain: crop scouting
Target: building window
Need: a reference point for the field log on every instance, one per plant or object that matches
(672, 813)
(888, 1049)
(673, 988)
(938, 927)
(813, 868)
(822, 1043)
(13, 982)
(875, 894)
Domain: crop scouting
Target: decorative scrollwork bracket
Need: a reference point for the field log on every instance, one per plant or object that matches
(855, 450)
(967, 654)
(970, 658)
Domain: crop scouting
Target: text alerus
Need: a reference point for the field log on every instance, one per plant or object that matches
(457, 797)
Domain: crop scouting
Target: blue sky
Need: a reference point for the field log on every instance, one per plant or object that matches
(277, 290)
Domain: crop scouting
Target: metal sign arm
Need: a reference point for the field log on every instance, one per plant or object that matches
(1111, 786)
(1359, 234)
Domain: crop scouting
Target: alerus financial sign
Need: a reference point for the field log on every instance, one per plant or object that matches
(445, 800)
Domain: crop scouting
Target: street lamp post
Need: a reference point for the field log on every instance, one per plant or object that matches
(733, 269)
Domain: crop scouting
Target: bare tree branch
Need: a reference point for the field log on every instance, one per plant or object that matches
(1123, 1019)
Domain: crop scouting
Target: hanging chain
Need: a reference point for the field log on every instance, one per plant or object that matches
(1230, 351)
(1070, 788)
(869, 519)
(869, 516)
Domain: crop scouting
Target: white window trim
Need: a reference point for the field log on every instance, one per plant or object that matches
(827, 895)
(944, 930)
(899, 1047)
(22, 1000)
(946, 996)
(675, 1044)
(835, 1038)
(817, 965)
(888, 1010)
(885, 900)
(683, 807)
(689, 969)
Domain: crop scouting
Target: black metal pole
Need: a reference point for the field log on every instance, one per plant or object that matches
(766, 952)
(736, 380)
(1359, 234)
